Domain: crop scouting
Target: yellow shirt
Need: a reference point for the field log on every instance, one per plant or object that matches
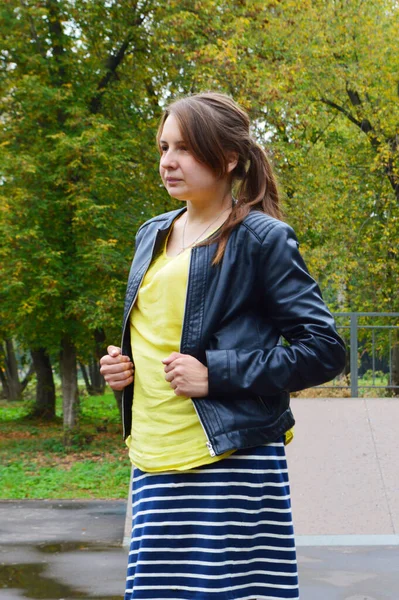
(166, 431)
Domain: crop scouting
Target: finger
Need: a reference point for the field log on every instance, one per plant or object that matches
(118, 367)
(178, 391)
(120, 385)
(113, 360)
(169, 359)
(109, 369)
(118, 378)
(118, 375)
(169, 377)
(114, 350)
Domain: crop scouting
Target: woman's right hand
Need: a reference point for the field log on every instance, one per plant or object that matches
(117, 369)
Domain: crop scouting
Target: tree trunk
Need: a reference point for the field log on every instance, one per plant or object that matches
(12, 375)
(86, 378)
(96, 379)
(69, 385)
(9, 374)
(45, 389)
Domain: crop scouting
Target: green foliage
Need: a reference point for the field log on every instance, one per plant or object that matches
(376, 378)
(78, 167)
(346, 99)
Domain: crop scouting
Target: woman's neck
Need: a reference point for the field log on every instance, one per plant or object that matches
(204, 212)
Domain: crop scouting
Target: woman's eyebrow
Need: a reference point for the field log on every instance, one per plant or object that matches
(176, 142)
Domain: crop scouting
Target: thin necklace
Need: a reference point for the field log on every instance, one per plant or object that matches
(184, 247)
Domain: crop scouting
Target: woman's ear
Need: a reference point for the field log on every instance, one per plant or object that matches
(232, 161)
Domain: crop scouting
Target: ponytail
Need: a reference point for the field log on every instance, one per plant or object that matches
(257, 190)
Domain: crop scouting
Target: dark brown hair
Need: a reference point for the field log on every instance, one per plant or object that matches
(214, 127)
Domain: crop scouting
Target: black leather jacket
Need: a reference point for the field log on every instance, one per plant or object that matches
(235, 315)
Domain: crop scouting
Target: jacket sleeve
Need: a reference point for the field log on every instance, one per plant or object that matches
(291, 298)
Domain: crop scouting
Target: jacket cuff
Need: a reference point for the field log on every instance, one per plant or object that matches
(221, 364)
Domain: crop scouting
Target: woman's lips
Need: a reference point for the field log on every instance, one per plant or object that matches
(172, 180)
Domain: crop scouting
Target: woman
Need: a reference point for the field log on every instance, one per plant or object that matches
(212, 288)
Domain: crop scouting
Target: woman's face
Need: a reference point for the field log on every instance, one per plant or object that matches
(183, 176)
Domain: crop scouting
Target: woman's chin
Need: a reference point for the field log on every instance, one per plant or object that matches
(175, 194)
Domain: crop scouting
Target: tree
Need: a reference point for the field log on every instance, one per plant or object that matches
(74, 144)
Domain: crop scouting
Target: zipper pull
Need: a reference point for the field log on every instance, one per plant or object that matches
(210, 448)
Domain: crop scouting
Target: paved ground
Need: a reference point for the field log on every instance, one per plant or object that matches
(72, 550)
(344, 466)
(344, 478)
(55, 550)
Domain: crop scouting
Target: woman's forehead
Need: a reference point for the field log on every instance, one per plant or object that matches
(171, 131)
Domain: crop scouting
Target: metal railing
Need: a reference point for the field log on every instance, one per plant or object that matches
(359, 338)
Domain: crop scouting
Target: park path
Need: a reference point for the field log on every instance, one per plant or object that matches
(344, 469)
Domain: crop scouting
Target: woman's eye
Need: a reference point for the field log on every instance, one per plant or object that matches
(180, 148)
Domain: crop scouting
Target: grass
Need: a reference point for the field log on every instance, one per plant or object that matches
(34, 462)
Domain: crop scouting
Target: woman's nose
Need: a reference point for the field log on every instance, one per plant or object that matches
(168, 160)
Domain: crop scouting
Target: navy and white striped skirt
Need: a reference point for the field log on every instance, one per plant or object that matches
(219, 532)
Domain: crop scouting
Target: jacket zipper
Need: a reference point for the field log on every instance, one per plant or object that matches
(208, 442)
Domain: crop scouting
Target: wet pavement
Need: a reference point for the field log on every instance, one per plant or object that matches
(55, 550)
(67, 550)
(69, 572)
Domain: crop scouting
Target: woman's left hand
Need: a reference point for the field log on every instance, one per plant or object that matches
(186, 375)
